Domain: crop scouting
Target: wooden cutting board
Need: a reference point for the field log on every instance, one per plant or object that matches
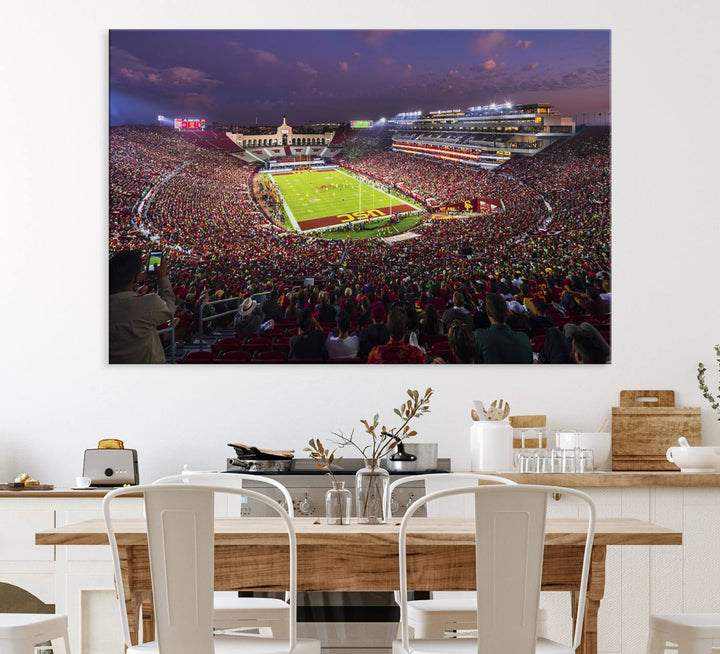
(643, 430)
(6, 487)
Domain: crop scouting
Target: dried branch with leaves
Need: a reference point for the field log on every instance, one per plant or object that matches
(713, 399)
(323, 457)
(384, 440)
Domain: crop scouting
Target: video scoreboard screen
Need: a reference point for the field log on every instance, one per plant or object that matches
(189, 123)
(361, 124)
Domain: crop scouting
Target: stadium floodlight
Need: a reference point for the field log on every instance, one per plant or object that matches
(161, 118)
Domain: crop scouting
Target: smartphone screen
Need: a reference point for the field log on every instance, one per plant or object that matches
(154, 260)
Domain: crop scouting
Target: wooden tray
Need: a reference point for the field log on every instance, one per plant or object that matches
(642, 431)
(44, 487)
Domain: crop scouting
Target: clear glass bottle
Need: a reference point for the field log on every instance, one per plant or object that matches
(371, 487)
(338, 503)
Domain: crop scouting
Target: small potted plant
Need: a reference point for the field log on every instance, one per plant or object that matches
(338, 500)
(372, 481)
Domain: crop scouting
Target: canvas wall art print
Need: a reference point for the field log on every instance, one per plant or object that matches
(359, 197)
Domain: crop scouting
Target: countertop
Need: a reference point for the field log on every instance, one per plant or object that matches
(642, 479)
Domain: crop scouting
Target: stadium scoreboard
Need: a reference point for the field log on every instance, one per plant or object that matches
(189, 123)
(361, 124)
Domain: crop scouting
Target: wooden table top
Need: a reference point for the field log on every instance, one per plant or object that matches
(312, 531)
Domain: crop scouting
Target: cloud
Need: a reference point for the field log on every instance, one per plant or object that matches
(533, 66)
(374, 37)
(387, 60)
(409, 68)
(489, 65)
(344, 66)
(306, 68)
(489, 42)
(265, 57)
(128, 70)
(356, 54)
(523, 44)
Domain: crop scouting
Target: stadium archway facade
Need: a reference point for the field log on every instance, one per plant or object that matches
(284, 136)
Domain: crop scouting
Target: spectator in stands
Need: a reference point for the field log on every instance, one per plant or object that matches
(540, 320)
(588, 333)
(292, 312)
(134, 318)
(309, 342)
(462, 342)
(250, 319)
(326, 312)
(457, 312)
(377, 333)
(365, 311)
(430, 322)
(344, 345)
(556, 348)
(271, 308)
(586, 348)
(499, 343)
(396, 351)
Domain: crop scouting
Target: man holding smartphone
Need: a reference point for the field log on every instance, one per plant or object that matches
(134, 318)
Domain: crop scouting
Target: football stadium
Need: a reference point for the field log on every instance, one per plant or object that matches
(311, 243)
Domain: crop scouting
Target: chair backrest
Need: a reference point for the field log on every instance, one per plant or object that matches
(509, 546)
(180, 531)
(442, 481)
(228, 479)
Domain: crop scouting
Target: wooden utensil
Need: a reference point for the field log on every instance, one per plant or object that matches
(474, 415)
(498, 410)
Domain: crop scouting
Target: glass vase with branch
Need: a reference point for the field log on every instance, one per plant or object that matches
(338, 500)
(372, 481)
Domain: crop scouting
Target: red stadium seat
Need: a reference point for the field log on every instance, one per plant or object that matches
(281, 347)
(537, 342)
(431, 339)
(225, 345)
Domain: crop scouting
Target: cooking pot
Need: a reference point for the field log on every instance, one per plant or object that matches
(413, 457)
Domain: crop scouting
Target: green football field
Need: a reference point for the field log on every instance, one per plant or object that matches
(323, 198)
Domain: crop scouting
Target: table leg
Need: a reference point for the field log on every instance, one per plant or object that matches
(148, 616)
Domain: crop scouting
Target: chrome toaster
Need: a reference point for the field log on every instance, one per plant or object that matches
(111, 467)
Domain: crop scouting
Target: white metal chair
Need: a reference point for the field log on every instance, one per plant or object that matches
(20, 632)
(231, 611)
(445, 611)
(509, 545)
(180, 528)
(693, 633)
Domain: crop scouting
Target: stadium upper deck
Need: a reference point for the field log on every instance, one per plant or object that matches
(481, 136)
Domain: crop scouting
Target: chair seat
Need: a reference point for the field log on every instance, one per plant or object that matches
(244, 644)
(26, 626)
(469, 646)
(697, 625)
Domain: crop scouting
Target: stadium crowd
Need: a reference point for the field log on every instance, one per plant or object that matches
(547, 251)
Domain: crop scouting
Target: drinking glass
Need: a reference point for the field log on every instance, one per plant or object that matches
(585, 461)
(568, 460)
(526, 461)
(543, 461)
(519, 454)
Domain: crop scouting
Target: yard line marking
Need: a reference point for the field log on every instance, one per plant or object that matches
(399, 200)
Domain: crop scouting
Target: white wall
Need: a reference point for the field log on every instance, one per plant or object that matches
(58, 394)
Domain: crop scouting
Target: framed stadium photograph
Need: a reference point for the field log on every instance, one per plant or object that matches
(359, 197)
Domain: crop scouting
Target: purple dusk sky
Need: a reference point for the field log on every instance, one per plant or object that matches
(236, 76)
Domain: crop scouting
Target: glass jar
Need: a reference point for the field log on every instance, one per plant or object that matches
(371, 487)
(338, 501)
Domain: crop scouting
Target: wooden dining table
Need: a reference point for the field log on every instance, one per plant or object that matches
(251, 554)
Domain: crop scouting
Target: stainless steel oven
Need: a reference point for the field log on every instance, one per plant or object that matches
(344, 622)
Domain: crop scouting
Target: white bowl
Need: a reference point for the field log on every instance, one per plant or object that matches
(599, 442)
(695, 459)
